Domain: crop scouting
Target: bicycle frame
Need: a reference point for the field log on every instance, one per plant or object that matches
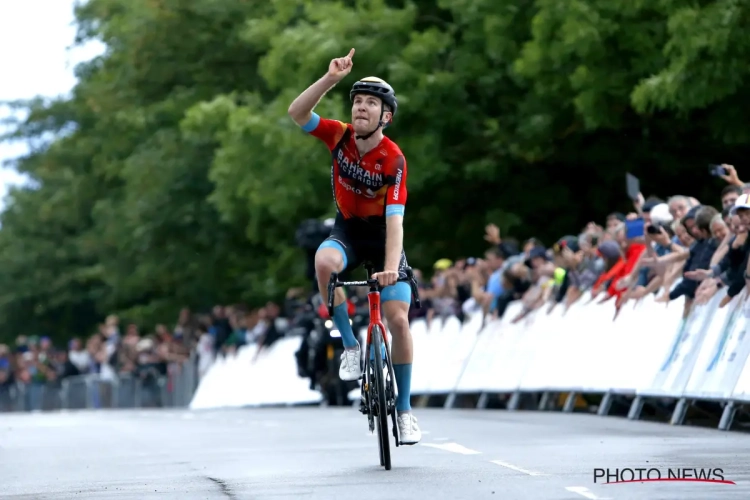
(385, 385)
(373, 299)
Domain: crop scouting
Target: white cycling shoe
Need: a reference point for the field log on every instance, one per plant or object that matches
(350, 368)
(408, 430)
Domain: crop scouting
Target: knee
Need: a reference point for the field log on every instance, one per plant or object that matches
(327, 260)
(398, 323)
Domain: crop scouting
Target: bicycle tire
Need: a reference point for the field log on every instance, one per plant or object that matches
(391, 397)
(379, 382)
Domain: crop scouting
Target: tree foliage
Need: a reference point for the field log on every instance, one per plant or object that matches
(174, 177)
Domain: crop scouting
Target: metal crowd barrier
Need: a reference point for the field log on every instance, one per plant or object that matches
(92, 391)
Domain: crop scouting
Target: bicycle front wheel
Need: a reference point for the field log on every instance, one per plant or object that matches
(380, 390)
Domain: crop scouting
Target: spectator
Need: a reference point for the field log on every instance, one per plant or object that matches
(582, 264)
(730, 270)
(542, 272)
(698, 223)
(220, 328)
(729, 195)
(686, 249)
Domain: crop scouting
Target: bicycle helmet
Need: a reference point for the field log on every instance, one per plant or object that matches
(376, 87)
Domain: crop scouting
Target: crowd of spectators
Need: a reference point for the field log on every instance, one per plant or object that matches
(32, 370)
(671, 247)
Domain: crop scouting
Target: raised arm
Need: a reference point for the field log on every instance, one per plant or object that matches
(301, 109)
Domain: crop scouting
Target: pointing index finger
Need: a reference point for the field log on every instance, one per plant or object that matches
(351, 53)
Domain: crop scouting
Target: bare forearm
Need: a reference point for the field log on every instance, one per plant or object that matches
(675, 257)
(653, 285)
(394, 241)
(301, 108)
(721, 251)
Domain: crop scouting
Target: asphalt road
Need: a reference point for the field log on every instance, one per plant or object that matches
(325, 453)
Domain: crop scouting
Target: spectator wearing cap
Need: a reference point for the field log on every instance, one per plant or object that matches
(644, 208)
(659, 214)
(719, 226)
(742, 210)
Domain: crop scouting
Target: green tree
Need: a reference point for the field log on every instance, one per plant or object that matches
(175, 177)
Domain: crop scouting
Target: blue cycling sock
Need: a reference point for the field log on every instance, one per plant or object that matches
(403, 382)
(341, 320)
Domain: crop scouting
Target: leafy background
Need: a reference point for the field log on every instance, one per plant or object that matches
(172, 176)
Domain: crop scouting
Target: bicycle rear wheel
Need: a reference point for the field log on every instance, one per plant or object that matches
(380, 390)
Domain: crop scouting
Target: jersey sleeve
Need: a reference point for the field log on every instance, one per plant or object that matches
(395, 198)
(328, 131)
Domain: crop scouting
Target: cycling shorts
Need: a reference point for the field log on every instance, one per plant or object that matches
(359, 241)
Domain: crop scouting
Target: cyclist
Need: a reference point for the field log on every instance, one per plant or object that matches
(368, 177)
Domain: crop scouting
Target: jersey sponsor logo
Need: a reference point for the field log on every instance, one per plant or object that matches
(352, 170)
(398, 184)
(367, 193)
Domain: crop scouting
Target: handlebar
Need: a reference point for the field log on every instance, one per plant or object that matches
(374, 287)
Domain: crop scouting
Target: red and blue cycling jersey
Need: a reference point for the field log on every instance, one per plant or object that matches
(370, 187)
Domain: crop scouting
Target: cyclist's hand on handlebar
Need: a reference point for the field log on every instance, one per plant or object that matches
(386, 278)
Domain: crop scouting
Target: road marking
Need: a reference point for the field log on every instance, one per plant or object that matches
(453, 447)
(584, 492)
(516, 468)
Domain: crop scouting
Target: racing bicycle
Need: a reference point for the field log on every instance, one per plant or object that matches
(378, 394)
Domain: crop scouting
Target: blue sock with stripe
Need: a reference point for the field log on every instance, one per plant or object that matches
(341, 320)
(403, 383)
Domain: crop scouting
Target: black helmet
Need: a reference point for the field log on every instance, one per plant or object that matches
(374, 86)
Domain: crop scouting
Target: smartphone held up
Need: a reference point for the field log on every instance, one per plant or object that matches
(717, 170)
